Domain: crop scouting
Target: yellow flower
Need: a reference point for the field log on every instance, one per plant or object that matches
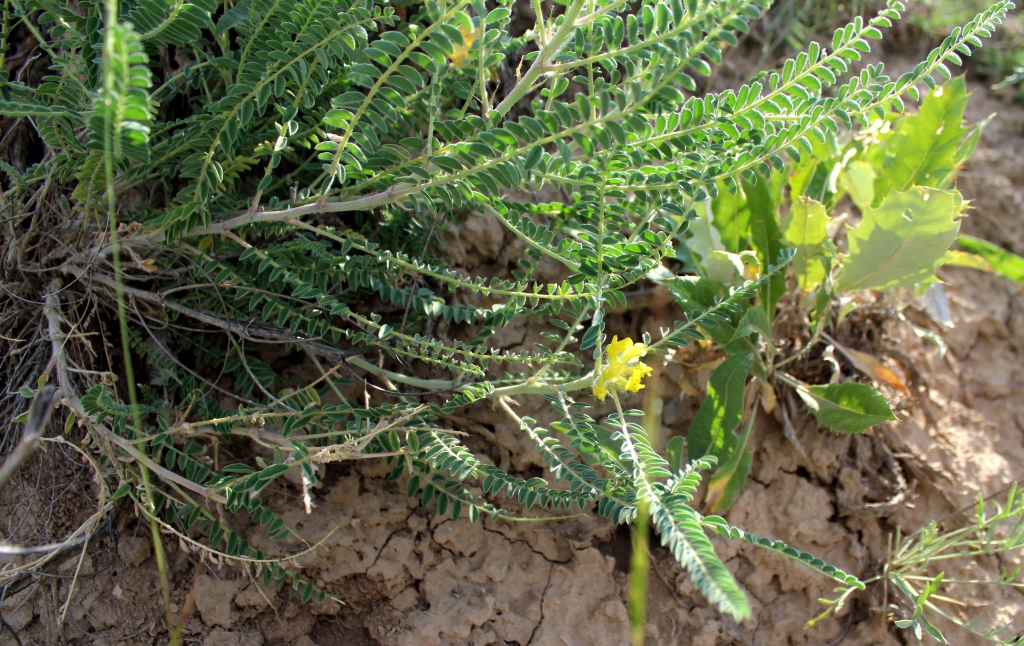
(640, 371)
(462, 54)
(623, 358)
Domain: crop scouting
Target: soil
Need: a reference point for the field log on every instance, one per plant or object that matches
(410, 579)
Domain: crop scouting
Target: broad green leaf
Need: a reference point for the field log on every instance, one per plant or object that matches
(805, 229)
(858, 179)
(1003, 262)
(731, 268)
(903, 241)
(723, 266)
(675, 452)
(694, 293)
(923, 148)
(754, 320)
(846, 408)
(711, 432)
(234, 16)
(704, 237)
(731, 478)
(766, 238)
(970, 142)
(731, 219)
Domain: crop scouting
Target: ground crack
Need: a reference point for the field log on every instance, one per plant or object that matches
(543, 597)
(527, 543)
(404, 526)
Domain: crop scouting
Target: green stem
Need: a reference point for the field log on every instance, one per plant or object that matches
(547, 52)
(108, 167)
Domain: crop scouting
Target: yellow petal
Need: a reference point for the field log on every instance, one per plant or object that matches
(636, 351)
(640, 371)
(616, 347)
(614, 370)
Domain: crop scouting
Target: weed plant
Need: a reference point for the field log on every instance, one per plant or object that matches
(223, 179)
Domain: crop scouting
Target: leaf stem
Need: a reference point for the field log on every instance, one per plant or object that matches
(548, 51)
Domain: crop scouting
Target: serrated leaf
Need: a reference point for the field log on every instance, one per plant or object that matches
(923, 148)
(903, 241)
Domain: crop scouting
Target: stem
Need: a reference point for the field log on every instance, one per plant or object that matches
(639, 569)
(425, 384)
(540, 64)
(544, 389)
(129, 374)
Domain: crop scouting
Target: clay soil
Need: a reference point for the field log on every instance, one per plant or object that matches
(408, 578)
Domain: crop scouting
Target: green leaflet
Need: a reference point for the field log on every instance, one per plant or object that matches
(923, 151)
(903, 241)
(711, 432)
(805, 229)
(766, 238)
(124, 107)
(846, 408)
(1003, 262)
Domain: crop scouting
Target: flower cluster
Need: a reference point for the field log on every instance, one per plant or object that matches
(624, 369)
